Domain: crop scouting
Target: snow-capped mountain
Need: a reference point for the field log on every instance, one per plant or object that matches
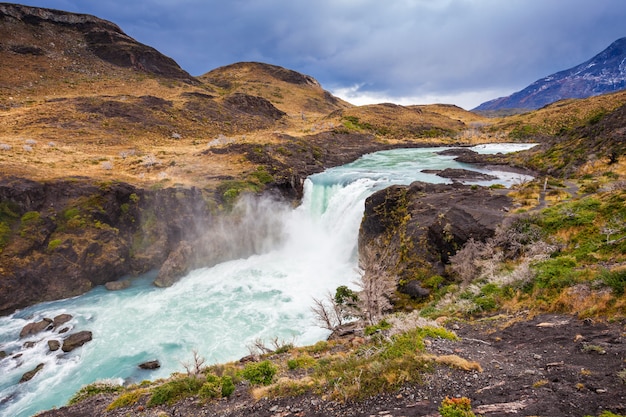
(604, 73)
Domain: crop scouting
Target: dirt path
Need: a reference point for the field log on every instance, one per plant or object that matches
(570, 187)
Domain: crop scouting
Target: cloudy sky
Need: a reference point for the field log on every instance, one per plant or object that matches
(367, 51)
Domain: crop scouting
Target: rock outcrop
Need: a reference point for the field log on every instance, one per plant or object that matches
(71, 235)
(76, 340)
(417, 228)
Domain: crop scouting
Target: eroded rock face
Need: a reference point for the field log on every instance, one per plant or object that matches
(422, 225)
(78, 234)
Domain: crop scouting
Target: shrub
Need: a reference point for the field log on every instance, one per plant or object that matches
(228, 386)
(260, 373)
(96, 388)
(456, 407)
(212, 388)
(301, 362)
(616, 280)
(53, 244)
(126, 399)
(174, 390)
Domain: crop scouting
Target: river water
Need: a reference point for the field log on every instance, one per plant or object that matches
(217, 311)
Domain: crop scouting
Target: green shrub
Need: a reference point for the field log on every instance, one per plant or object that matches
(5, 234)
(70, 213)
(556, 273)
(319, 347)
(53, 244)
(212, 388)
(95, 389)
(262, 176)
(174, 390)
(375, 328)
(301, 362)
(260, 373)
(616, 280)
(228, 386)
(126, 399)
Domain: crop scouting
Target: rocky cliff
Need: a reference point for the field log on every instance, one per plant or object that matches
(415, 229)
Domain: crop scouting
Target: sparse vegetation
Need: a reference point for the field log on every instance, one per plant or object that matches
(95, 389)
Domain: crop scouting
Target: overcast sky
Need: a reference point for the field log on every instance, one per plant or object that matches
(463, 52)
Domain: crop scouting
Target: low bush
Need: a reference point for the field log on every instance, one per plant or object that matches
(456, 407)
(126, 399)
(174, 390)
(96, 388)
(260, 373)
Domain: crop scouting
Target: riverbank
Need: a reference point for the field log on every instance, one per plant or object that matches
(547, 365)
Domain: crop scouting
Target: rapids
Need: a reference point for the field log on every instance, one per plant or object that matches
(217, 311)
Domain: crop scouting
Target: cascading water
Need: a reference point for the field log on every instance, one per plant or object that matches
(216, 311)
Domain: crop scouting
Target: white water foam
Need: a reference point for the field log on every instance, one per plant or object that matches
(217, 311)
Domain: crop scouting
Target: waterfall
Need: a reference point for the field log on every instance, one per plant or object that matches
(217, 311)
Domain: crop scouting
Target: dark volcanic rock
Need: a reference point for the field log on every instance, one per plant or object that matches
(254, 105)
(150, 365)
(458, 174)
(414, 289)
(34, 328)
(76, 340)
(31, 374)
(427, 223)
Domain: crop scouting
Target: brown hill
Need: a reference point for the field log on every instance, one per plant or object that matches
(290, 91)
(427, 124)
(80, 97)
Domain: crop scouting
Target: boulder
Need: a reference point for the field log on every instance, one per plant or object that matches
(414, 289)
(61, 319)
(76, 340)
(35, 327)
(150, 365)
(54, 345)
(422, 225)
(176, 266)
(117, 285)
(31, 374)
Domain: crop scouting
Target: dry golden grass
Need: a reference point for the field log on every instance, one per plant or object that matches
(455, 361)
(585, 302)
(562, 115)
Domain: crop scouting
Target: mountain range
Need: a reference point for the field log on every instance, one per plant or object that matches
(604, 73)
